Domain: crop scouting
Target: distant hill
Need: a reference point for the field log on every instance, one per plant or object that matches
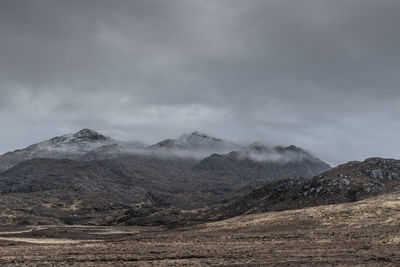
(264, 163)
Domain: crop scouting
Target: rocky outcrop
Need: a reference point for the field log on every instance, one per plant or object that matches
(346, 183)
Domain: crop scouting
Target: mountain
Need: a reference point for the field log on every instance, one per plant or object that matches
(91, 145)
(85, 144)
(264, 163)
(195, 145)
(65, 146)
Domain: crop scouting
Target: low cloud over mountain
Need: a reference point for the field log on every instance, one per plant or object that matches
(88, 145)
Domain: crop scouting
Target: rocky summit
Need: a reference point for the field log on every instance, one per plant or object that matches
(70, 146)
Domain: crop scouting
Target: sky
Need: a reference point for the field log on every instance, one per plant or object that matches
(320, 74)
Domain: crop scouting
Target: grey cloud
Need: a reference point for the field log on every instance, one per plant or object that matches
(321, 74)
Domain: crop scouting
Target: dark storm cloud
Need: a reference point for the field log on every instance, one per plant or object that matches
(321, 74)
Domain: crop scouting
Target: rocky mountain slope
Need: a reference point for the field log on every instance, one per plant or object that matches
(65, 146)
(349, 182)
(89, 191)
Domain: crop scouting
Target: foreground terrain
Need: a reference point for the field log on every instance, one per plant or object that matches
(365, 232)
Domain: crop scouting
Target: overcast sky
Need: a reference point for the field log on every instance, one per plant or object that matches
(321, 74)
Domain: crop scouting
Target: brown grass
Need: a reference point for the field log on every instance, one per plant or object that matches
(361, 233)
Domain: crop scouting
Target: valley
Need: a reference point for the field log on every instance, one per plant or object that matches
(366, 232)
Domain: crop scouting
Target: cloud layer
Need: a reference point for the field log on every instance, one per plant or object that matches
(320, 74)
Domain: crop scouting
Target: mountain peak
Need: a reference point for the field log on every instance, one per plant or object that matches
(193, 141)
(89, 135)
(201, 134)
(258, 147)
(291, 149)
(196, 135)
(83, 136)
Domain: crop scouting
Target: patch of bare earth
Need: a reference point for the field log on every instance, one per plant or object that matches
(360, 233)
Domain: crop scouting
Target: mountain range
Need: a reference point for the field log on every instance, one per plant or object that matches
(87, 177)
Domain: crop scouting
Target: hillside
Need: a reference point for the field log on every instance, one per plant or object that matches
(349, 182)
(90, 191)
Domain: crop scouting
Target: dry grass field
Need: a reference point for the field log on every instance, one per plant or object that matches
(361, 233)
